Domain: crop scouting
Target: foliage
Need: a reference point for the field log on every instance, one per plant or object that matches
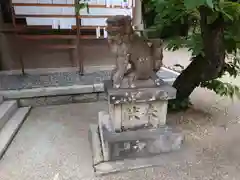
(169, 12)
(232, 69)
(149, 15)
(81, 5)
(222, 88)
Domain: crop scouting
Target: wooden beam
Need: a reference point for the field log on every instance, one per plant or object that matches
(42, 5)
(88, 27)
(64, 5)
(61, 16)
(58, 46)
(90, 37)
(50, 36)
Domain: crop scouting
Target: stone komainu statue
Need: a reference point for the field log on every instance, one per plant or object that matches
(144, 55)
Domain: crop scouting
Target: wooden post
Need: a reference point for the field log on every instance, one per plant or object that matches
(20, 51)
(78, 59)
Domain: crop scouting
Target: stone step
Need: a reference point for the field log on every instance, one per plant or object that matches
(10, 129)
(7, 109)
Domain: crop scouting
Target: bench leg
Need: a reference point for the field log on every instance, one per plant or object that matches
(22, 64)
(80, 60)
(71, 54)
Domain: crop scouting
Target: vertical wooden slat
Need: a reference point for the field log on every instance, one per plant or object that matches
(78, 59)
(20, 52)
(13, 14)
(22, 63)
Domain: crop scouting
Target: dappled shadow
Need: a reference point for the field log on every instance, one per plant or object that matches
(189, 119)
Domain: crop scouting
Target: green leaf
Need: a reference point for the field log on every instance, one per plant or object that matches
(191, 4)
(175, 43)
(209, 3)
(228, 16)
(212, 18)
(78, 7)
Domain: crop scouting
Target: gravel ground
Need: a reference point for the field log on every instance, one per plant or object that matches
(52, 144)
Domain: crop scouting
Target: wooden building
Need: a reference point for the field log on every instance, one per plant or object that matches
(54, 20)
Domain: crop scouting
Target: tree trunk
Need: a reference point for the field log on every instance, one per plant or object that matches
(208, 67)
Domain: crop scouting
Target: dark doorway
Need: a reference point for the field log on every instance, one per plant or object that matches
(6, 11)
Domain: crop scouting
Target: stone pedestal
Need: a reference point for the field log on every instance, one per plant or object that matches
(134, 127)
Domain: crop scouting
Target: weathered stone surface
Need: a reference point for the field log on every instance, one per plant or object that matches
(16, 86)
(103, 125)
(165, 143)
(34, 102)
(58, 100)
(144, 114)
(102, 96)
(95, 144)
(127, 153)
(138, 143)
(91, 97)
(145, 55)
(9, 130)
(98, 87)
(63, 78)
(138, 107)
(129, 95)
(43, 101)
(115, 112)
(7, 109)
(144, 133)
(139, 163)
(47, 91)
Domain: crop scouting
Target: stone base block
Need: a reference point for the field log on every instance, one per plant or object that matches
(113, 152)
(126, 165)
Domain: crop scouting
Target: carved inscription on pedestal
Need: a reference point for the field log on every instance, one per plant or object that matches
(143, 114)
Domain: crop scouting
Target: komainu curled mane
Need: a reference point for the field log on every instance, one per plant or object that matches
(144, 55)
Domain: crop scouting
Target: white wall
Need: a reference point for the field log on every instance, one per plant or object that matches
(66, 23)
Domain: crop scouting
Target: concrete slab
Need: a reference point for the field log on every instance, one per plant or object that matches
(10, 129)
(7, 109)
(52, 140)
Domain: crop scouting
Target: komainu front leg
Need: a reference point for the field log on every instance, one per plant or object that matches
(122, 63)
(157, 53)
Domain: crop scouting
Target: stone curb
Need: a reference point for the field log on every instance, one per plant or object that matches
(48, 91)
(62, 99)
